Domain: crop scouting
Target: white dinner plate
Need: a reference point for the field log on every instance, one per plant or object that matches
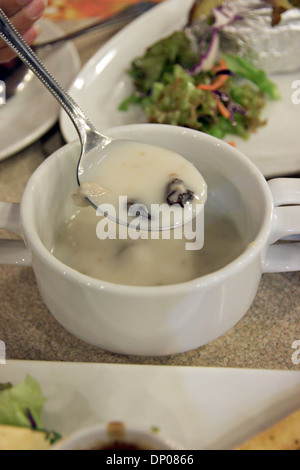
(199, 408)
(32, 112)
(103, 84)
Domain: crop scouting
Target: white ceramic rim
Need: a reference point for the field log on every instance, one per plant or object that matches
(91, 432)
(253, 250)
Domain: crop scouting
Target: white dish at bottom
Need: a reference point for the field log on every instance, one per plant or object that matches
(199, 408)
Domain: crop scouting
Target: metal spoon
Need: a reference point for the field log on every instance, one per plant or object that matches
(92, 141)
(19, 76)
(94, 145)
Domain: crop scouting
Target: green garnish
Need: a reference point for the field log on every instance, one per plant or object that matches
(243, 68)
(170, 91)
(22, 406)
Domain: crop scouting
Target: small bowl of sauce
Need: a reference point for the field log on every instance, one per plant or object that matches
(116, 436)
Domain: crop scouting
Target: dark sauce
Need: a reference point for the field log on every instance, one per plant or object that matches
(118, 445)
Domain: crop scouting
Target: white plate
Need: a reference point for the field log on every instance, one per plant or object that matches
(32, 112)
(200, 408)
(102, 85)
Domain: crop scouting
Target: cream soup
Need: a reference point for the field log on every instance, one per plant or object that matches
(148, 176)
(145, 262)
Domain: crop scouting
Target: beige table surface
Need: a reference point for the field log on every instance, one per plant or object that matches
(262, 339)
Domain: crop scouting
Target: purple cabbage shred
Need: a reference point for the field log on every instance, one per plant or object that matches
(31, 419)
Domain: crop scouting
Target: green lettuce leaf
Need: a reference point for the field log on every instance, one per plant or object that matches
(244, 69)
(159, 58)
(19, 404)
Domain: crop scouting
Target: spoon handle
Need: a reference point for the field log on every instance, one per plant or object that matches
(14, 40)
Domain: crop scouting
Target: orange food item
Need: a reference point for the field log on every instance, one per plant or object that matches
(222, 108)
(222, 66)
(76, 9)
(221, 80)
(284, 435)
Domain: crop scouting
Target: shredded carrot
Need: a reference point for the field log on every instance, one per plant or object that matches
(222, 66)
(218, 83)
(221, 80)
(222, 108)
(233, 144)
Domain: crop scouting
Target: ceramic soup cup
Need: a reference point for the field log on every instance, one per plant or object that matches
(166, 319)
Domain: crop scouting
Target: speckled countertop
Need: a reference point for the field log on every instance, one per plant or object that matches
(262, 339)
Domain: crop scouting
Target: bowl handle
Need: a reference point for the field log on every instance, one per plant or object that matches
(12, 251)
(284, 257)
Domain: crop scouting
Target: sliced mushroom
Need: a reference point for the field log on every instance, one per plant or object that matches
(177, 193)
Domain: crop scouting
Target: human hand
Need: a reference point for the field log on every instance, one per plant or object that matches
(23, 14)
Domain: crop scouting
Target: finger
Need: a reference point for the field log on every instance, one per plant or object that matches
(6, 54)
(26, 17)
(11, 7)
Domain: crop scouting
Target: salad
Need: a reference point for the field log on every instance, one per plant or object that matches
(20, 417)
(186, 79)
